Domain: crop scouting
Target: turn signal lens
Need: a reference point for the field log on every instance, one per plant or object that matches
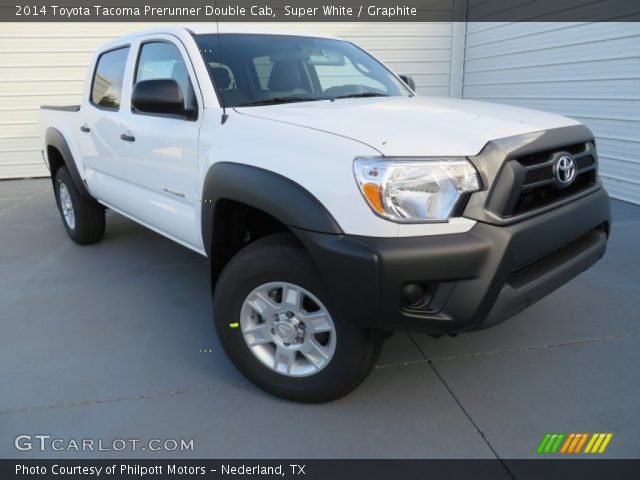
(372, 193)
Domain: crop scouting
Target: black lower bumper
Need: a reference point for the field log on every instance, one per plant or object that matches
(470, 280)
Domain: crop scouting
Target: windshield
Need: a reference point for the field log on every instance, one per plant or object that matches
(253, 69)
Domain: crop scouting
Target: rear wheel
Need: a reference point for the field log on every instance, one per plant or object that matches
(83, 218)
(279, 328)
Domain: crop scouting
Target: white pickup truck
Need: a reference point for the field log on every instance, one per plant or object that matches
(334, 204)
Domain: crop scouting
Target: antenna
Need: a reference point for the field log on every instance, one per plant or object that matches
(225, 116)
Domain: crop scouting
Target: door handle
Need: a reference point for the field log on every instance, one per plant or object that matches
(85, 128)
(127, 138)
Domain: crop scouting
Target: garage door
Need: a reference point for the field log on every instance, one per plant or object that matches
(587, 71)
(46, 63)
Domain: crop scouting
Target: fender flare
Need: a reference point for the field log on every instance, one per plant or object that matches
(54, 138)
(274, 194)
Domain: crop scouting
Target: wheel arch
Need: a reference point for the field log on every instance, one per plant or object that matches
(58, 155)
(242, 203)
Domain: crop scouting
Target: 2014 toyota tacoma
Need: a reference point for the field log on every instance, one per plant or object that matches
(334, 204)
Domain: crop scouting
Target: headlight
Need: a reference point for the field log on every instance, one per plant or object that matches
(412, 191)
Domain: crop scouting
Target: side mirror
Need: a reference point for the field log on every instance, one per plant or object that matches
(409, 81)
(162, 96)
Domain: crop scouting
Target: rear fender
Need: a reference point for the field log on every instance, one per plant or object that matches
(53, 138)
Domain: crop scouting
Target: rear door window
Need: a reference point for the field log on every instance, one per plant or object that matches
(106, 89)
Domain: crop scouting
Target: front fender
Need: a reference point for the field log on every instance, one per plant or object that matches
(274, 194)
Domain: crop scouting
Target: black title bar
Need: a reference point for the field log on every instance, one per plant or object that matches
(548, 469)
(319, 10)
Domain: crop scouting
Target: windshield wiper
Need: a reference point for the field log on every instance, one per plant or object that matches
(361, 95)
(273, 101)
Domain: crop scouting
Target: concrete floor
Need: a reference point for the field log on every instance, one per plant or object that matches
(107, 342)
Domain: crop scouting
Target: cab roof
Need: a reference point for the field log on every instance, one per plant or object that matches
(212, 28)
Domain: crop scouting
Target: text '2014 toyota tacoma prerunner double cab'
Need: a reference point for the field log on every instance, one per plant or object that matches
(334, 204)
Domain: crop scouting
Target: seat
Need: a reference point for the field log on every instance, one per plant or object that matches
(231, 97)
(285, 79)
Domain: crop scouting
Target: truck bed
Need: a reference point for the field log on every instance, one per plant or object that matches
(64, 119)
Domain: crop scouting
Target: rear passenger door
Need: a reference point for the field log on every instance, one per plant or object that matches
(161, 150)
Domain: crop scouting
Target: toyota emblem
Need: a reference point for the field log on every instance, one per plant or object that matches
(565, 170)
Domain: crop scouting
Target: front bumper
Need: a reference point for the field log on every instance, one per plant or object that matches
(474, 279)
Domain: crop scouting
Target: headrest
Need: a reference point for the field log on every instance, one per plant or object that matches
(221, 77)
(285, 76)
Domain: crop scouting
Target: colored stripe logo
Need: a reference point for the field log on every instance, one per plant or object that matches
(573, 443)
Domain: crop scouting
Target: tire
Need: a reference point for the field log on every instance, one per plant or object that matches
(83, 218)
(332, 355)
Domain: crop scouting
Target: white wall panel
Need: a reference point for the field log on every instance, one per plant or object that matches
(45, 63)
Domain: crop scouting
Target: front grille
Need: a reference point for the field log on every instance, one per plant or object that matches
(538, 175)
(541, 157)
(529, 182)
(543, 174)
(537, 197)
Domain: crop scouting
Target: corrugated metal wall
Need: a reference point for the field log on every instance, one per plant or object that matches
(45, 63)
(587, 71)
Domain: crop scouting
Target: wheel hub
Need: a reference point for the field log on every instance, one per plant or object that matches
(288, 329)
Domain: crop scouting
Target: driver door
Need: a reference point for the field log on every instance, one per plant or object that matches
(162, 149)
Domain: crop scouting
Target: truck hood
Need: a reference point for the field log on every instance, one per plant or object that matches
(413, 126)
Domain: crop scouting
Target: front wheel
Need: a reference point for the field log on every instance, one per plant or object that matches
(279, 328)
